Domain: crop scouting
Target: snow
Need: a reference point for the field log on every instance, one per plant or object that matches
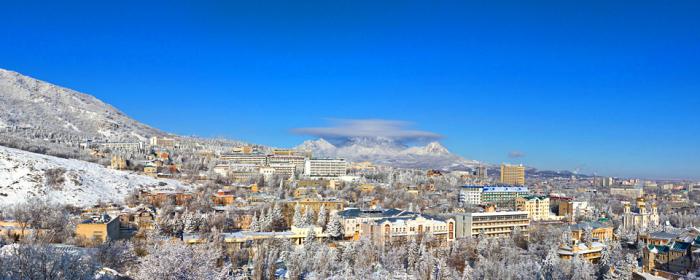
(22, 176)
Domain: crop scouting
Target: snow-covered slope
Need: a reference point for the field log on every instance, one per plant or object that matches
(24, 175)
(32, 105)
(386, 151)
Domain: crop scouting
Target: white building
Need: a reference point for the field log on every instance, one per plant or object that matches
(640, 219)
(257, 159)
(470, 195)
(325, 167)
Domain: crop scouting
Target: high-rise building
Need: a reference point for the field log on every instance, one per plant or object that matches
(481, 172)
(513, 174)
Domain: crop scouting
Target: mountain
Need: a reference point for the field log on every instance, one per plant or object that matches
(35, 108)
(386, 151)
(24, 175)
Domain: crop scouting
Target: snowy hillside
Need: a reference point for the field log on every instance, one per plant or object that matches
(24, 175)
(54, 112)
(386, 151)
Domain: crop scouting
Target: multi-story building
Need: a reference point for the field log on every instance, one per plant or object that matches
(503, 196)
(257, 159)
(470, 195)
(481, 172)
(513, 174)
(629, 192)
(237, 170)
(353, 218)
(491, 223)
(641, 218)
(162, 142)
(297, 160)
(497, 195)
(537, 206)
(325, 167)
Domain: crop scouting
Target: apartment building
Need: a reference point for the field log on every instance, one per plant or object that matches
(537, 206)
(491, 223)
(325, 167)
(257, 159)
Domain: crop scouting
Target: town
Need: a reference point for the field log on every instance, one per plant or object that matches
(267, 213)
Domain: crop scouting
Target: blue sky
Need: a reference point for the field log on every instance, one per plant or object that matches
(602, 86)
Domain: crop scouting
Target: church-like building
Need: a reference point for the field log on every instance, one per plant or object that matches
(641, 218)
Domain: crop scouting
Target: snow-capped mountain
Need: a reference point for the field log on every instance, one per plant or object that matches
(42, 108)
(24, 175)
(389, 152)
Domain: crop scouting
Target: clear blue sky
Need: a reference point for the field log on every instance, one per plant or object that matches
(611, 87)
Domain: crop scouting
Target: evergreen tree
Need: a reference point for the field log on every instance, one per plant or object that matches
(255, 223)
(335, 227)
(322, 217)
(297, 219)
(309, 216)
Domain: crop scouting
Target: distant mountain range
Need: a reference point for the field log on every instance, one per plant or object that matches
(386, 151)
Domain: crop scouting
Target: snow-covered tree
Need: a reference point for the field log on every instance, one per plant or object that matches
(309, 216)
(322, 217)
(255, 223)
(335, 227)
(175, 260)
(297, 219)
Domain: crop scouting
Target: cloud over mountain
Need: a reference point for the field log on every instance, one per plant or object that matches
(351, 128)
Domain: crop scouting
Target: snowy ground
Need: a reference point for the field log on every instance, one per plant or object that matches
(23, 175)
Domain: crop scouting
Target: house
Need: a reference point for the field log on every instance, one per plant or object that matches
(600, 231)
(98, 229)
(589, 251)
(223, 198)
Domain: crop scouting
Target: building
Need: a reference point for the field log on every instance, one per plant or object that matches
(256, 159)
(491, 223)
(513, 174)
(98, 229)
(481, 172)
(325, 167)
(503, 197)
(671, 253)
(162, 142)
(600, 231)
(641, 218)
(535, 205)
(283, 169)
(118, 163)
(629, 192)
(471, 195)
(122, 146)
(590, 251)
(223, 198)
(237, 171)
(497, 195)
(297, 160)
(391, 230)
(386, 226)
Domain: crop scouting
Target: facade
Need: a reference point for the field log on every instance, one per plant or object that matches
(325, 167)
(238, 171)
(513, 174)
(537, 206)
(122, 146)
(641, 218)
(389, 230)
(491, 223)
(283, 169)
(481, 172)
